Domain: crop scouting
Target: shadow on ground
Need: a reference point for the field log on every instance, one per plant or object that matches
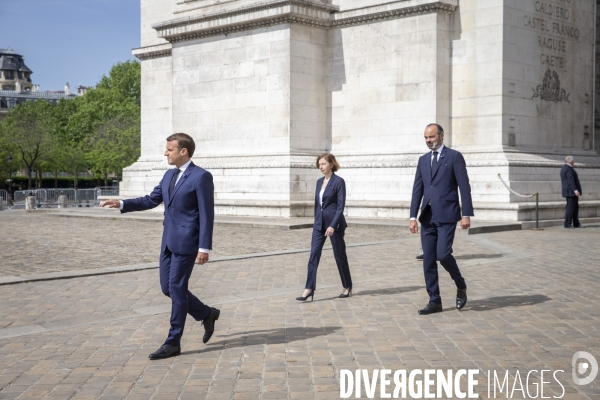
(476, 256)
(494, 303)
(267, 336)
(378, 292)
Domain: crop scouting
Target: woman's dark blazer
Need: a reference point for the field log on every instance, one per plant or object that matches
(334, 201)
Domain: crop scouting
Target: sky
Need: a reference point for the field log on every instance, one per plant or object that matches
(75, 41)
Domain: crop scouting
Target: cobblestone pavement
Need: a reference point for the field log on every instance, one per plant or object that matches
(533, 302)
(40, 243)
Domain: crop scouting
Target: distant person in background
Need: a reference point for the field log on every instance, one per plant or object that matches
(571, 190)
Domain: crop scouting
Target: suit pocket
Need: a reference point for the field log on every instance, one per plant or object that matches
(189, 226)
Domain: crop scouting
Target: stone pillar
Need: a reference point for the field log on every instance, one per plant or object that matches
(62, 201)
(30, 203)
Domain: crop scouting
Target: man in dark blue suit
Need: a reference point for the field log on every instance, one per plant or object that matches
(441, 175)
(188, 196)
(571, 190)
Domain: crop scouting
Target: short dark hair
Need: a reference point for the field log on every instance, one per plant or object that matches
(330, 158)
(439, 128)
(184, 141)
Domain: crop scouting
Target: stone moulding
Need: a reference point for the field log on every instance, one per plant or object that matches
(150, 52)
(407, 160)
(303, 12)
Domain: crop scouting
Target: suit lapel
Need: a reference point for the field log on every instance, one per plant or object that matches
(427, 167)
(437, 165)
(181, 181)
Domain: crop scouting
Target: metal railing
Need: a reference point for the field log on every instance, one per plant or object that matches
(536, 194)
(46, 198)
(108, 190)
(3, 195)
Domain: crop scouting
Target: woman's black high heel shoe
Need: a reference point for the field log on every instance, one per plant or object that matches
(343, 296)
(304, 298)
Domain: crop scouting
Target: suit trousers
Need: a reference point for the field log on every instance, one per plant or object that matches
(572, 211)
(339, 253)
(437, 240)
(175, 272)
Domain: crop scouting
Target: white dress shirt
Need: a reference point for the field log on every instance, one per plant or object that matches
(179, 175)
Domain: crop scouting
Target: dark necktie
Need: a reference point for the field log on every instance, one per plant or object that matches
(434, 162)
(172, 183)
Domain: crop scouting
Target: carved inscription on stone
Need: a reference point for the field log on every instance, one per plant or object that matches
(553, 23)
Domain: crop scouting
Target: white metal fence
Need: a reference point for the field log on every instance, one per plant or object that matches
(46, 198)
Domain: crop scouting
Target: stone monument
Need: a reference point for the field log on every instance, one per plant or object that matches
(264, 87)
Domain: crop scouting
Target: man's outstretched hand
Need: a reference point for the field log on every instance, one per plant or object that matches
(111, 204)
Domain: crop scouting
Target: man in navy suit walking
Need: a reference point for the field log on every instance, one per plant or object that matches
(188, 196)
(571, 190)
(441, 174)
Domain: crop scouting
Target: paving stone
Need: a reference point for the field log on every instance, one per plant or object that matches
(533, 302)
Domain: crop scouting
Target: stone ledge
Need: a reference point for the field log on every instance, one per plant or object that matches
(303, 12)
(157, 51)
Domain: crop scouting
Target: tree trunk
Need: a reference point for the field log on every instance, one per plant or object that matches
(29, 172)
(38, 176)
(56, 179)
(75, 180)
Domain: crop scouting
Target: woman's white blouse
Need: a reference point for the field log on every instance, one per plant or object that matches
(321, 195)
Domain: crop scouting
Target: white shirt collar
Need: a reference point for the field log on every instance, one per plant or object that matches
(439, 150)
(185, 166)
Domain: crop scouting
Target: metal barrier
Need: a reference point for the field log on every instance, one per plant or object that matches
(19, 198)
(46, 198)
(87, 197)
(49, 197)
(108, 190)
(3, 195)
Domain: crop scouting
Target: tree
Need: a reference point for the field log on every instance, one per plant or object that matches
(124, 78)
(28, 130)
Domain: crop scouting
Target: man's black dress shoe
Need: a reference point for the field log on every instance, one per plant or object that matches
(569, 227)
(209, 324)
(431, 308)
(461, 298)
(419, 257)
(580, 226)
(165, 351)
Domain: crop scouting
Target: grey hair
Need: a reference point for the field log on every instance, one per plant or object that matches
(568, 159)
(439, 128)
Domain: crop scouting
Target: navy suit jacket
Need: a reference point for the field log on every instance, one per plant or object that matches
(189, 210)
(331, 213)
(440, 188)
(570, 181)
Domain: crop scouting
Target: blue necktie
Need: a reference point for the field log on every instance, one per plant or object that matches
(172, 183)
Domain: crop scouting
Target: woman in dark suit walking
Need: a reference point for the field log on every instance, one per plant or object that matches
(330, 200)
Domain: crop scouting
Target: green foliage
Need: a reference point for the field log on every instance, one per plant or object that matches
(99, 131)
(124, 78)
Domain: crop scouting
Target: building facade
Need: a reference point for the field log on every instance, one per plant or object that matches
(16, 86)
(266, 87)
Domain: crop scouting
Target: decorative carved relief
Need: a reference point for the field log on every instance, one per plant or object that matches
(550, 89)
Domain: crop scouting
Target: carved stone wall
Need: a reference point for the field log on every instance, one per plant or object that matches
(264, 87)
